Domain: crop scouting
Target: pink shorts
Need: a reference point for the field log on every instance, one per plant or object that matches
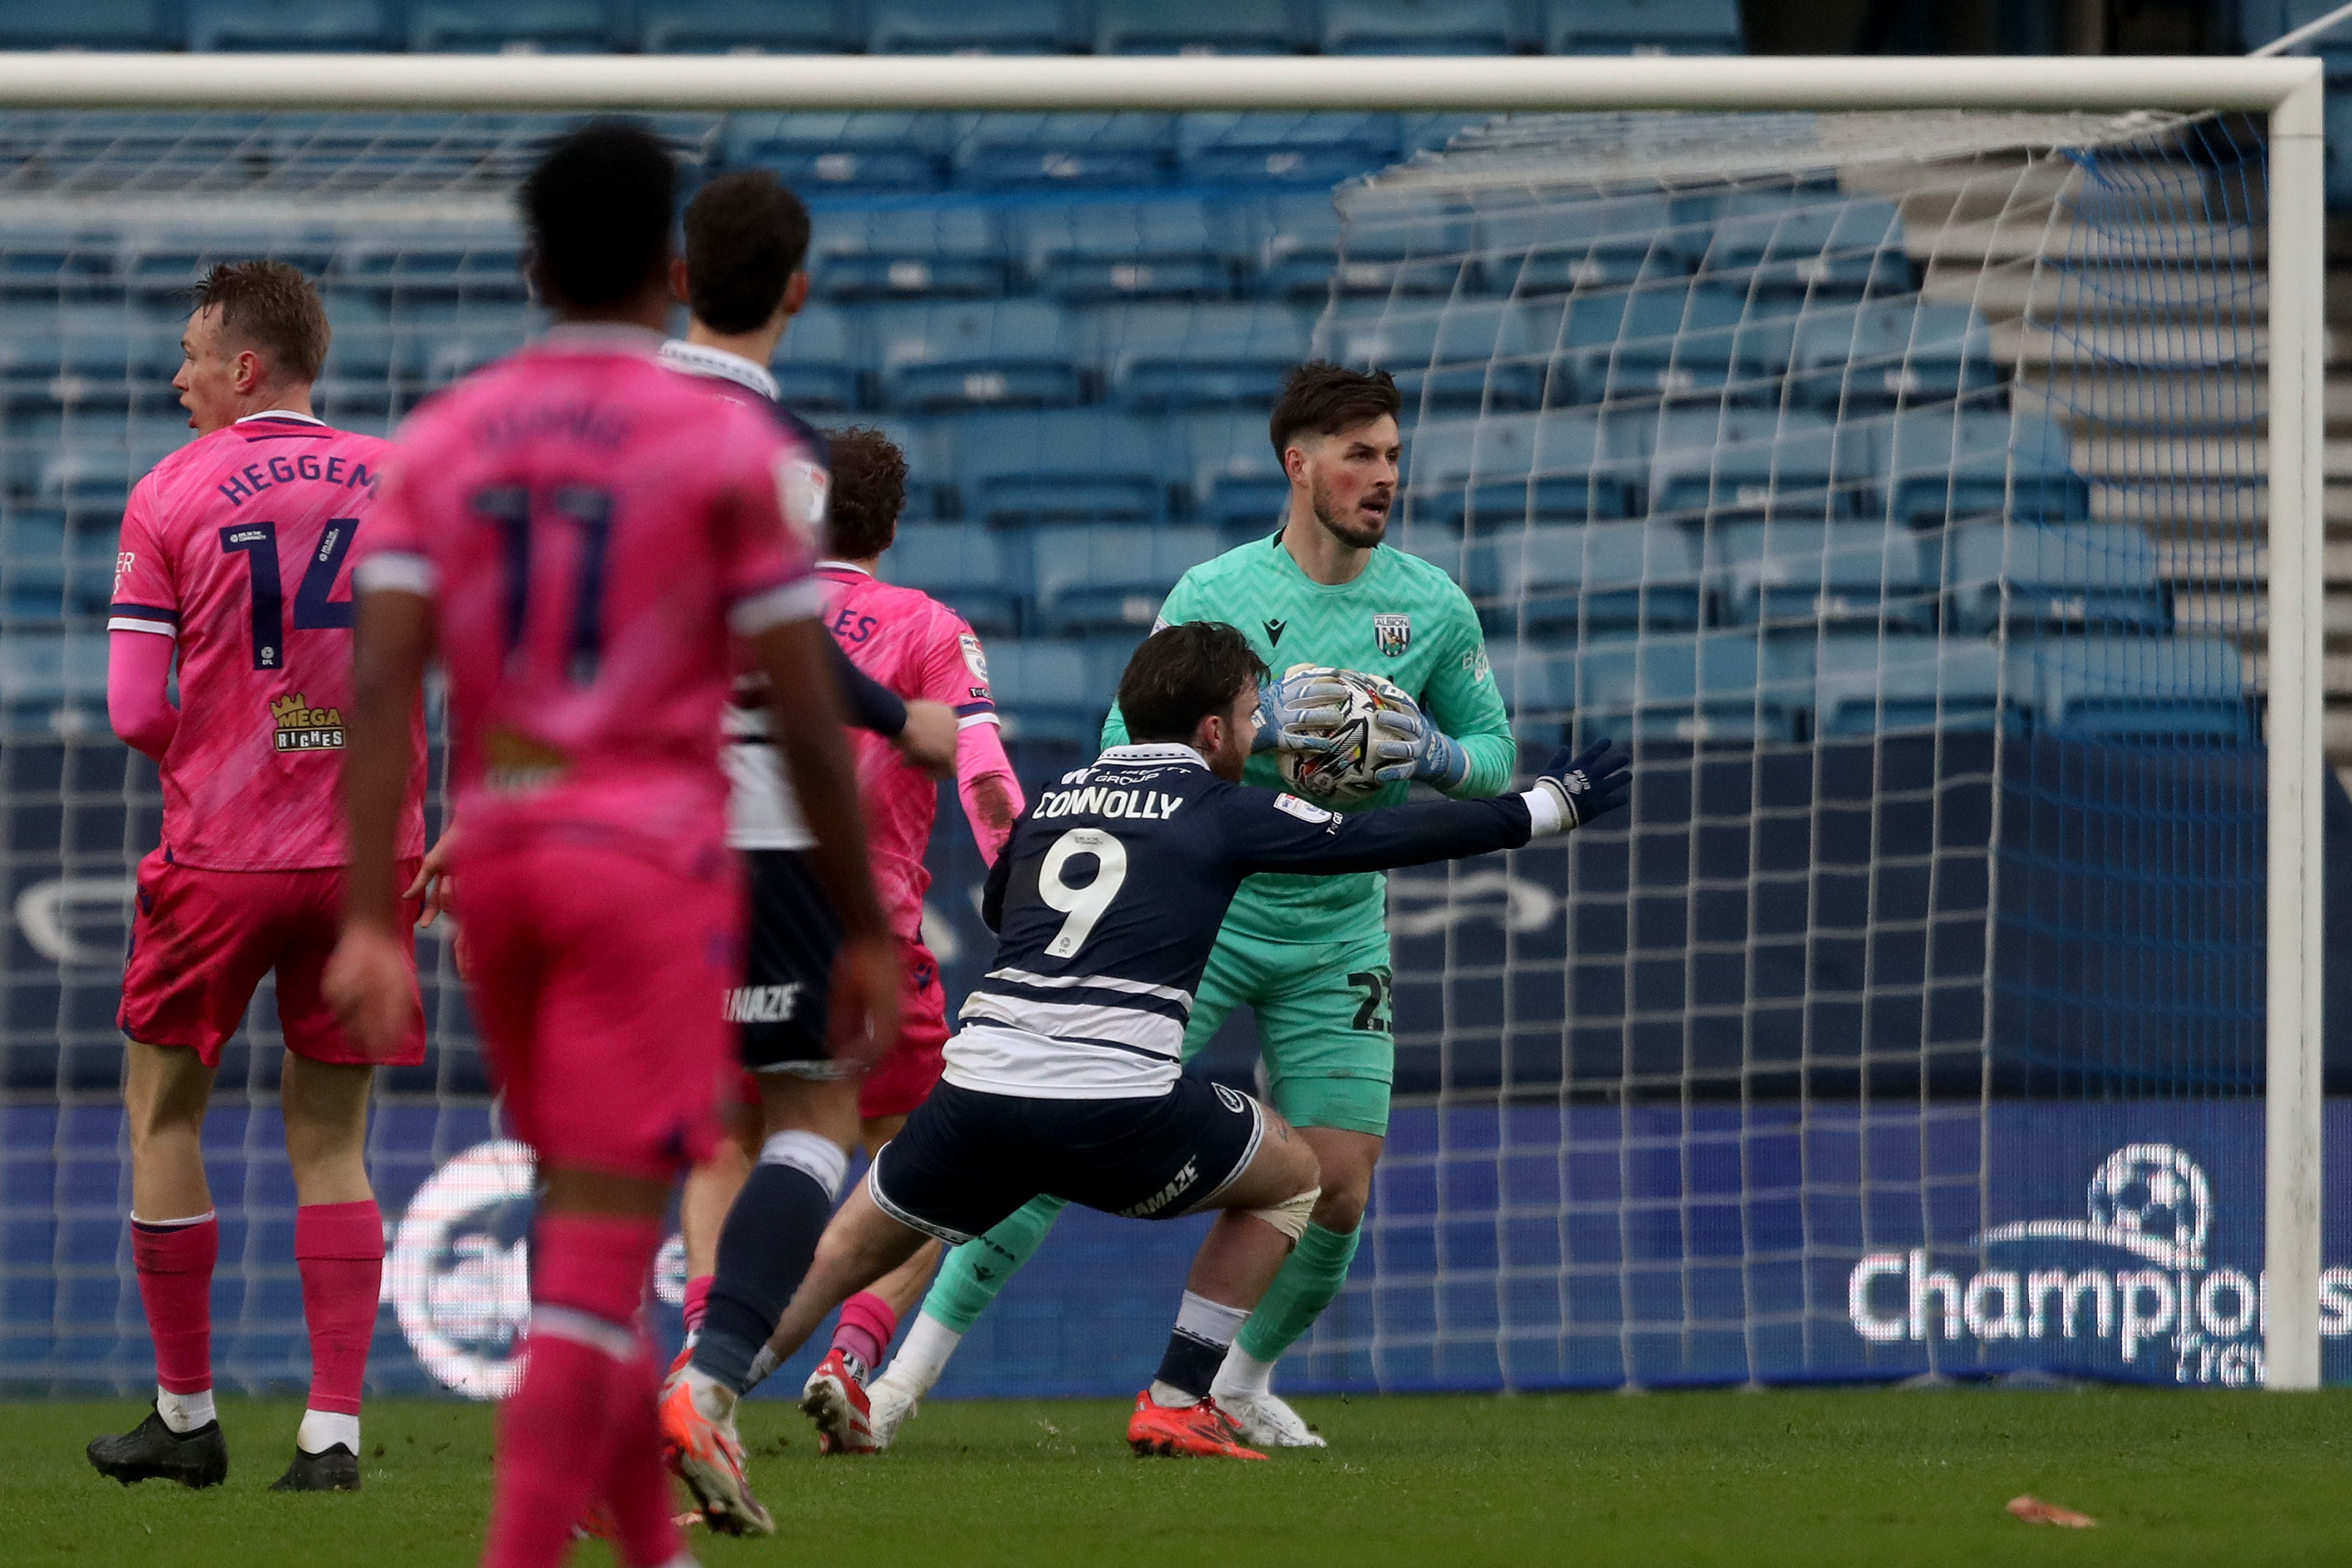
(903, 1079)
(201, 941)
(599, 980)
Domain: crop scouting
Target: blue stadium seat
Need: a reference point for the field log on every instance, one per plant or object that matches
(1419, 28)
(1193, 27)
(1158, 248)
(551, 26)
(1613, 577)
(814, 154)
(94, 462)
(1088, 578)
(967, 568)
(1809, 242)
(1669, 341)
(256, 27)
(934, 451)
(483, 264)
(1815, 573)
(958, 27)
(1889, 351)
(1876, 686)
(1703, 688)
(2074, 575)
(1539, 689)
(1473, 352)
(88, 24)
(1939, 464)
(1642, 27)
(1742, 466)
(1053, 690)
(111, 343)
(34, 570)
(1481, 474)
(167, 265)
(1298, 247)
(1408, 244)
(461, 349)
(44, 261)
(53, 685)
(2175, 688)
(817, 365)
(738, 26)
(1200, 355)
(1063, 151)
(933, 251)
(1269, 148)
(1090, 465)
(1610, 244)
(1018, 353)
(1237, 480)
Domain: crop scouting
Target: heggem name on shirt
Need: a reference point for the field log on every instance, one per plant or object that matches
(255, 478)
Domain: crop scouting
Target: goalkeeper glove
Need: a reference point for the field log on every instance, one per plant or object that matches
(1588, 783)
(1283, 706)
(1406, 745)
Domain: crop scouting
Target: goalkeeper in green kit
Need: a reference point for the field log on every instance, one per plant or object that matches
(1308, 956)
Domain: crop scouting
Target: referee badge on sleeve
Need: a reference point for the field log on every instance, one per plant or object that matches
(1393, 633)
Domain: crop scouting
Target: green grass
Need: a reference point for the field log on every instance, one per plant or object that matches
(1862, 1477)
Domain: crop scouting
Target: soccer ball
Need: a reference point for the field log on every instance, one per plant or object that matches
(1345, 775)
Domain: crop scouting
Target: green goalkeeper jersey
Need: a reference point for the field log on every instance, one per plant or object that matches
(1402, 619)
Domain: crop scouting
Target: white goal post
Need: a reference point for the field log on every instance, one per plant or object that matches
(2286, 92)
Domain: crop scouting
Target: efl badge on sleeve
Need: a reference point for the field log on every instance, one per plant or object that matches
(1392, 633)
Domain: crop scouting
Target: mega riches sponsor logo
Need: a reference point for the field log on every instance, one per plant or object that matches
(302, 728)
(2134, 1273)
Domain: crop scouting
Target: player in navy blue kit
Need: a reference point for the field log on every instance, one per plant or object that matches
(1065, 1075)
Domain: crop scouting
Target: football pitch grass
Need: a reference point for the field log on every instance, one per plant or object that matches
(1873, 1476)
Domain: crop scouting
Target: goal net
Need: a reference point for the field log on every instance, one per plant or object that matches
(1894, 483)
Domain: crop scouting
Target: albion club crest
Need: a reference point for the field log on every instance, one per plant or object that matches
(1392, 633)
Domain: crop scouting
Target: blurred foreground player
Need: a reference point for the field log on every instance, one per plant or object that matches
(1065, 1077)
(577, 531)
(234, 555)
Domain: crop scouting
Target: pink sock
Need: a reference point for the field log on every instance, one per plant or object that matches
(175, 1285)
(697, 1301)
(866, 1326)
(559, 1434)
(339, 1248)
(636, 1484)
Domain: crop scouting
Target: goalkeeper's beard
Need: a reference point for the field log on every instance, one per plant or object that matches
(1351, 527)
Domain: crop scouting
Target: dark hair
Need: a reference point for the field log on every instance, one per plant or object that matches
(598, 210)
(268, 306)
(746, 234)
(1323, 399)
(869, 486)
(1182, 674)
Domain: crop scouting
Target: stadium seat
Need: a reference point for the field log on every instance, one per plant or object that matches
(43, 262)
(1642, 27)
(967, 568)
(1268, 148)
(1418, 27)
(94, 462)
(481, 264)
(1298, 247)
(1062, 151)
(1088, 466)
(1742, 466)
(88, 24)
(53, 685)
(817, 364)
(1049, 689)
(1088, 578)
(959, 27)
(1669, 341)
(814, 154)
(33, 569)
(2075, 575)
(1816, 573)
(1702, 688)
(1539, 690)
(1237, 480)
(1410, 244)
(165, 264)
(1807, 242)
(1161, 248)
(2121, 686)
(934, 451)
(1501, 471)
(1617, 577)
(738, 26)
(1016, 353)
(1193, 27)
(1939, 464)
(549, 26)
(457, 351)
(1199, 355)
(1525, 249)
(1458, 352)
(255, 26)
(1874, 686)
(936, 251)
(1892, 351)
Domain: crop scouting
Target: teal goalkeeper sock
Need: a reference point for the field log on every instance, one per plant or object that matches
(1309, 1281)
(974, 1272)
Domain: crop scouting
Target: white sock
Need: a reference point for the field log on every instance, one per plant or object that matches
(322, 1429)
(712, 1397)
(1243, 1374)
(184, 1411)
(924, 1356)
(763, 1366)
(1168, 1397)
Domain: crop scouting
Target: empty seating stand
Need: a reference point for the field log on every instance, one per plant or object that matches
(2167, 689)
(2074, 578)
(1839, 574)
(1091, 578)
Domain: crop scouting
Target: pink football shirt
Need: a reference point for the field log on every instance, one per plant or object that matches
(918, 648)
(588, 526)
(240, 545)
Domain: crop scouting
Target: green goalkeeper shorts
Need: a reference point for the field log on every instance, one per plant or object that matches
(1322, 1011)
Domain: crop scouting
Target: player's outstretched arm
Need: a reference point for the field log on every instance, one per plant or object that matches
(991, 795)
